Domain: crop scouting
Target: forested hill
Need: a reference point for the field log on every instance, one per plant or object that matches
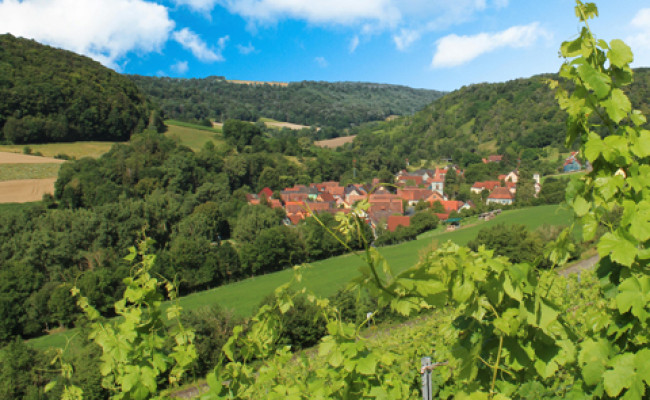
(516, 118)
(49, 94)
(338, 104)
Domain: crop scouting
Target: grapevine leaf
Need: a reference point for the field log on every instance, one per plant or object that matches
(617, 106)
(571, 48)
(620, 53)
(589, 227)
(595, 80)
(615, 145)
(640, 224)
(621, 376)
(546, 314)
(581, 206)
(367, 365)
(130, 379)
(630, 296)
(336, 357)
(594, 147)
(641, 146)
(148, 378)
(593, 358)
(638, 118)
(619, 249)
(642, 365)
(462, 292)
(404, 307)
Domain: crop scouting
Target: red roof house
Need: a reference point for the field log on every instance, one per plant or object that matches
(500, 195)
(397, 220)
(267, 192)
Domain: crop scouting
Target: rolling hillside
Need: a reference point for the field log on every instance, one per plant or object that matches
(53, 95)
(336, 104)
(505, 118)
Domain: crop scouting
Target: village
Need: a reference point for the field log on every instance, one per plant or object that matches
(391, 204)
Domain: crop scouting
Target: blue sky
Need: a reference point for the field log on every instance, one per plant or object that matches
(435, 44)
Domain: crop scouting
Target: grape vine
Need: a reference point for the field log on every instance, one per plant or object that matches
(513, 332)
(498, 330)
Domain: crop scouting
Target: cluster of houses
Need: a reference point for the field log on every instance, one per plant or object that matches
(503, 190)
(386, 208)
(424, 185)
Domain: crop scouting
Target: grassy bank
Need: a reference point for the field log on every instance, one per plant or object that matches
(326, 277)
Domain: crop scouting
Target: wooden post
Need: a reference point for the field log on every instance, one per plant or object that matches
(426, 378)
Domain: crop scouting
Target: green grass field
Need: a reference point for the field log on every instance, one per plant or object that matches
(72, 149)
(193, 136)
(13, 207)
(10, 172)
(328, 276)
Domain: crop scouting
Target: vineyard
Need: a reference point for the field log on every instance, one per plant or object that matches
(498, 330)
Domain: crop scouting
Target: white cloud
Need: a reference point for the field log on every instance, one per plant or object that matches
(321, 61)
(425, 16)
(203, 6)
(344, 12)
(193, 42)
(640, 41)
(245, 50)
(180, 67)
(454, 50)
(354, 43)
(105, 30)
(405, 38)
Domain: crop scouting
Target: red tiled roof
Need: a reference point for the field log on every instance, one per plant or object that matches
(435, 196)
(326, 197)
(489, 185)
(275, 203)
(391, 206)
(442, 216)
(383, 197)
(413, 194)
(292, 197)
(293, 207)
(415, 178)
(336, 190)
(452, 205)
(396, 220)
(318, 206)
(266, 192)
(295, 218)
(501, 193)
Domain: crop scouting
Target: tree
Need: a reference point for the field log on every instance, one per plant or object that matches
(252, 220)
(274, 249)
(424, 221)
(512, 241)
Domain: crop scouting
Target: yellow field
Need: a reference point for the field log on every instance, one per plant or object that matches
(71, 149)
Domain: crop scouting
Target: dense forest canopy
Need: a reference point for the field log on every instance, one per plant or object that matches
(53, 95)
(517, 118)
(332, 104)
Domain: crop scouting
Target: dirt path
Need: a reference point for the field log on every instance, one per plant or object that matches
(580, 266)
(15, 158)
(25, 190)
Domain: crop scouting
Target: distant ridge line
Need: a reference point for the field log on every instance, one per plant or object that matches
(255, 83)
